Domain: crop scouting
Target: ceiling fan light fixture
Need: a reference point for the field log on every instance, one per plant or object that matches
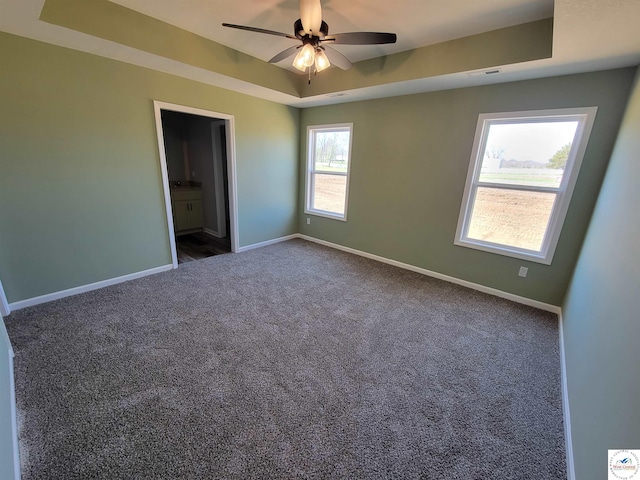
(322, 62)
(299, 65)
(305, 57)
(313, 32)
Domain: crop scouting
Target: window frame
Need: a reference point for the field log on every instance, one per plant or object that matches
(311, 171)
(585, 117)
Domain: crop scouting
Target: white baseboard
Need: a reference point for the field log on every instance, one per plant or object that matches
(475, 286)
(269, 242)
(571, 473)
(29, 302)
(7, 349)
(213, 233)
(498, 293)
(406, 266)
(14, 419)
(86, 288)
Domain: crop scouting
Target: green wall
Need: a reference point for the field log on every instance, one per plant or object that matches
(520, 43)
(115, 23)
(601, 314)
(110, 21)
(81, 195)
(81, 199)
(410, 157)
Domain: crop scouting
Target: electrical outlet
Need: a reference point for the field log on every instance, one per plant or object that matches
(523, 272)
(308, 221)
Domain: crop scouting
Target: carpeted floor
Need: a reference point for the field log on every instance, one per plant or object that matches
(288, 361)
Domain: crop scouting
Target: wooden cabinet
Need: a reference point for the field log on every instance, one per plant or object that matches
(187, 210)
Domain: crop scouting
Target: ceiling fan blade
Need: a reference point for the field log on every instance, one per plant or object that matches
(311, 16)
(258, 30)
(285, 54)
(361, 38)
(337, 59)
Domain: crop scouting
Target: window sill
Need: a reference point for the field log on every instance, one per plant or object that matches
(506, 251)
(320, 213)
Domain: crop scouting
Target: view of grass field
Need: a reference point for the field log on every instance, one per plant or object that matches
(337, 167)
(534, 177)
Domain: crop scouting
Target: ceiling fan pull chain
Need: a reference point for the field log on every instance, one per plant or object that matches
(309, 75)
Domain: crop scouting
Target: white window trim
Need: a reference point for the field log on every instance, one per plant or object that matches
(310, 171)
(585, 117)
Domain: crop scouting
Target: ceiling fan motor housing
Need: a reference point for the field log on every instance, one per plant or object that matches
(313, 33)
(299, 32)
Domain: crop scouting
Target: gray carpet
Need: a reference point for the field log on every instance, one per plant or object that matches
(289, 361)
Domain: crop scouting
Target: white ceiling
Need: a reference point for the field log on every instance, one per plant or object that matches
(416, 22)
(589, 35)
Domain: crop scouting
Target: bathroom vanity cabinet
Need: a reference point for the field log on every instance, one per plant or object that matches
(186, 203)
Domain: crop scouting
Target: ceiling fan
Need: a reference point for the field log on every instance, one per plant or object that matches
(313, 33)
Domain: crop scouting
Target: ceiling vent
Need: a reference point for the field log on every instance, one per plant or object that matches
(482, 73)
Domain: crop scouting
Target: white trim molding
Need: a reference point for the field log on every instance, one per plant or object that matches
(11, 389)
(29, 302)
(312, 131)
(475, 286)
(571, 472)
(4, 304)
(14, 418)
(491, 291)
(229, 121)
(268, 242)
(498, 293)
(583, 119)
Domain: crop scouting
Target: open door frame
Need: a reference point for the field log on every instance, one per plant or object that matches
(4, 305)
(231, 169)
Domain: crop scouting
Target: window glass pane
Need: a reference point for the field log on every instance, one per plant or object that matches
(329, 193)
(511, 217)
(331, 151)
(527, 153)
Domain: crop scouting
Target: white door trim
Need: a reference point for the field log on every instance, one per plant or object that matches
(231, 168)
(4, 305)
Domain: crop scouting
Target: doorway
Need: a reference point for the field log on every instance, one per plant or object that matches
(197, 160)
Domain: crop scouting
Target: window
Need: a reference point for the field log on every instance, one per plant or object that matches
(523, 169)
(328, 156)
